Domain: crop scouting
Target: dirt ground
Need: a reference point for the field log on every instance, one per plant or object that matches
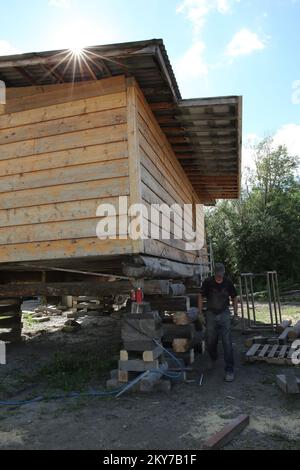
(49, 362)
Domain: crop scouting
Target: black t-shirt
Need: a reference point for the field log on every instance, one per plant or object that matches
(217, 295)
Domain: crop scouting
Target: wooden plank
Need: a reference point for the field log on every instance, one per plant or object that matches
(273, 351)
(71, 140)
(284, 336)
(227, 434)
(134, 155)
(291, 383)
(63, 193)
(285, 324)
(164, 250)
(59, 111)
(58, 212)
(282, 383)
(149, 356)
(282, 352)
(61, 159)
(181, 318)
(61, 176)
(137, 365)
(181, 345)
(264, 351)
(66, 92)
(62, 249)
(253, 351)
(63, 125)
(63, 230)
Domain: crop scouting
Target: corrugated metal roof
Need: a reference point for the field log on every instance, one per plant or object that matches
(205, 133)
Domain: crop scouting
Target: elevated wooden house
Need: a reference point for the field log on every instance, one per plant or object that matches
(77, 132)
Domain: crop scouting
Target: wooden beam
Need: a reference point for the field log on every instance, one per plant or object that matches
(26, 75)
(162, 106)
(227, 434)
(51, 71)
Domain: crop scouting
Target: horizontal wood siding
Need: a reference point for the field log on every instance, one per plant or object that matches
(63, 152)
(164, 182)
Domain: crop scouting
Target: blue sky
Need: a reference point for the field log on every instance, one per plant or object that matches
(217, 47)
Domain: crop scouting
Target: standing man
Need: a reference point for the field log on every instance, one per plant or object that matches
(218, 290)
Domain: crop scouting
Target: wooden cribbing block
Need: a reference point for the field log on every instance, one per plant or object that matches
(288, 383)
(285, 324)
(294, 332)
(171, 304)
(149, 356)
(171, 332)
(181, 318)
(140, 345)
(181, 345)
(137, 365)
(229, 432)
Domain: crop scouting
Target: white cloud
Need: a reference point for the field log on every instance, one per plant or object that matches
(60, 3)
(289, 135)
(7, 49)
(296, 92)
(197, 10)
(248, 160)
(243, 43)
(192, 64)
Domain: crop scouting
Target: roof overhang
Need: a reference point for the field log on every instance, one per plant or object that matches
(205, 134)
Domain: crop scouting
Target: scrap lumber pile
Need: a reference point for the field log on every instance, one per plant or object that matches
(140, 353)
(10, 320)
(279, 350)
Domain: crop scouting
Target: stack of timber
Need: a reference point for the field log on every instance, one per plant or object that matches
(84, 305)
(10, 320)
(179, 331)
(140, 353)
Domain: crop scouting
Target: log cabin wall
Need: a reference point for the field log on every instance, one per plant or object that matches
(63, 151)
(162, 180)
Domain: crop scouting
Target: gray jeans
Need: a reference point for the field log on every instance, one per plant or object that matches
(216, 326)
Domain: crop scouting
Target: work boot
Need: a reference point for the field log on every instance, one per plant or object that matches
(229, 377)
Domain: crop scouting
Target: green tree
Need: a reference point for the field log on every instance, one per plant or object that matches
(261, 231)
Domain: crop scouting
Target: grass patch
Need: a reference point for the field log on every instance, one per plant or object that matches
(74, 371)
(288, 312)
(28, 320)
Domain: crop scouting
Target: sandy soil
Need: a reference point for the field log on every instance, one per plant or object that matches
(180, 419)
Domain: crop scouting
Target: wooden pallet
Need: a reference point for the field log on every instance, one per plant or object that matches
(272, 354)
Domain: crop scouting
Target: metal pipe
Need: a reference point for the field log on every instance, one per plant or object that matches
(242, 303)
(274, 297)
(247, 300)
(270, 301)
(278, 297)
(252, 298)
